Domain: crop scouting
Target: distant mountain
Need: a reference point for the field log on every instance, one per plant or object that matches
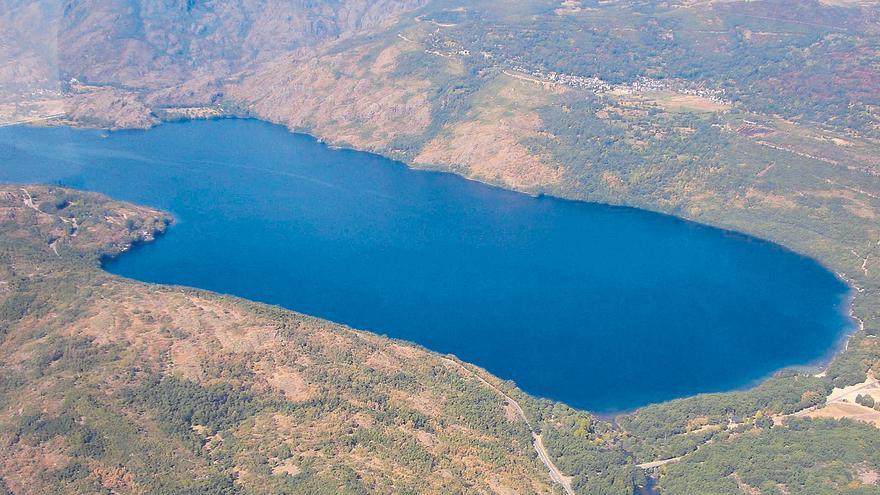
(148, 44)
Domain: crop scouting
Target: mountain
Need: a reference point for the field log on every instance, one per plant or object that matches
(110, 385)
(757, 116)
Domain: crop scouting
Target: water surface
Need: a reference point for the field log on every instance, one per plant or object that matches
(601, 307)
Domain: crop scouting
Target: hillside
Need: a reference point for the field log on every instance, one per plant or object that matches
(112, 385)
(108, 384)
(756, 116)
(759, 116)
(140, 389)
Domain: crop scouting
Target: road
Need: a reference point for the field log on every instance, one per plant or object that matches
(555, 474)
(31, 121)
(655, 464)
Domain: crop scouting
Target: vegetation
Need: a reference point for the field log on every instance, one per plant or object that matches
(675, 428)
(805, 457)
(745, 49)
(109, 385)
(721, 133)
(757, 116)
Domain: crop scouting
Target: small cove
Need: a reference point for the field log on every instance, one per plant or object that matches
(601, 307)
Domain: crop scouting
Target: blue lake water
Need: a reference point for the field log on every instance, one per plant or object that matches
(601, 307)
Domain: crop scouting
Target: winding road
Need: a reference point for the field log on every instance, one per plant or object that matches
(538, 442)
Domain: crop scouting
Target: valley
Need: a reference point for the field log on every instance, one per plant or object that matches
(759, 117)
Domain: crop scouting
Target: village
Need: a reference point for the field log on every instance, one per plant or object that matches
(640, 85)
(443, 47)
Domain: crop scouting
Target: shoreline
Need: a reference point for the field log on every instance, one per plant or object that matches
(815, 368)
(820, 369)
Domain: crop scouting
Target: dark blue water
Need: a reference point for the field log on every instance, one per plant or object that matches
(604, 308)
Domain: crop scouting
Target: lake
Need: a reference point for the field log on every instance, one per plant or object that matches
(604, 308)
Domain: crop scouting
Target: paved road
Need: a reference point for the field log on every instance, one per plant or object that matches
(555, 474)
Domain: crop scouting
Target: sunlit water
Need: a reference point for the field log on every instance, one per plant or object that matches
(601, 307)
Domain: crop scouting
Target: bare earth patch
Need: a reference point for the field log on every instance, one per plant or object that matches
(287, 467)
(291, 383)
(853, 203)
(380, 360)
(843, 410)
(756, 198)
(841, 403)
(692, 103)
(867, 475)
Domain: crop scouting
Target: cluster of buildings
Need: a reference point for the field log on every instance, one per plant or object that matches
(640, 85)
(449, 49)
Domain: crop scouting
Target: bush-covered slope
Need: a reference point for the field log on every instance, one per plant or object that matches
(111, 385)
